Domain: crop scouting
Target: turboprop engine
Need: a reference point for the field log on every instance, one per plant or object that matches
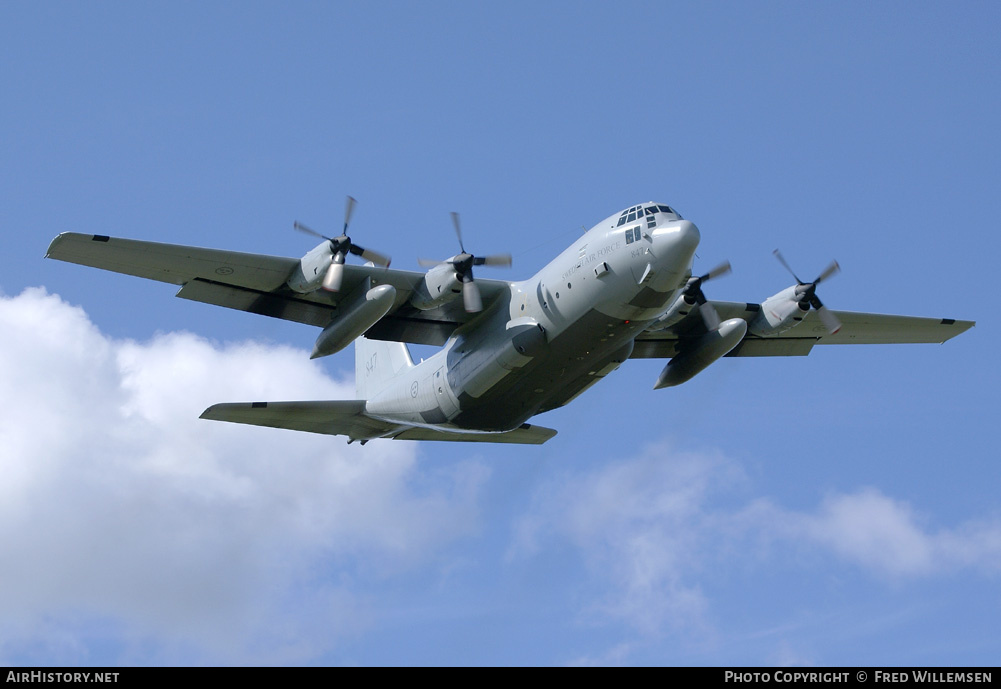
(788, 308)
(440, 285)
(313, 267)
(690, 295)
(324, 265)
(447, 278)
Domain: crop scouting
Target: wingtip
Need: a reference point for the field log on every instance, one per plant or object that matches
(209, 413)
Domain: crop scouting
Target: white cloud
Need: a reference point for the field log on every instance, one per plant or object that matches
(639, 525)
(651, 529)
(886, 536)
(196, 540)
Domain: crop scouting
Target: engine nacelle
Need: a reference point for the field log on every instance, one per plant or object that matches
(701, 353)
(779, 313)
(439, 286)
(308, 276)
(681, 307)
(355, 320)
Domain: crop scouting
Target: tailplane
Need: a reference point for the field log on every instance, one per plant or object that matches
(376, 363)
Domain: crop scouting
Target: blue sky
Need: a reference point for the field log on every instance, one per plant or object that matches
(836, 509)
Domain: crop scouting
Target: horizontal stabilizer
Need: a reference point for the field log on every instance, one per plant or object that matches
(348, 417)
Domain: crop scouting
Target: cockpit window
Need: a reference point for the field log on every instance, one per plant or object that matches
(638, 212)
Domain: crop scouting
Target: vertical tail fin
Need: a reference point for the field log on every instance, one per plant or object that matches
(376, 363)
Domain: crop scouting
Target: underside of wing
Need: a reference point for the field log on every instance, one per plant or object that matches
(856, 328)
(875, 328)
(348, 417)
(257, 283)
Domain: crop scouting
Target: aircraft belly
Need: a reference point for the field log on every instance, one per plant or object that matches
(574, 360)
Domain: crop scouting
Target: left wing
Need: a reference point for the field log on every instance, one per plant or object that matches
(257, 283)
(856, 328)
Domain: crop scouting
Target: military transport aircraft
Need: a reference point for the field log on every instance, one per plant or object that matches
(509, 350)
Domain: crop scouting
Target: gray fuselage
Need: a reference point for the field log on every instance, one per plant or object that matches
(549, 338)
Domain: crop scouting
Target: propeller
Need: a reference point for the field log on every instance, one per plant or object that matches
(463, 264)
(340, 247)
(693, 294)
(807, 293)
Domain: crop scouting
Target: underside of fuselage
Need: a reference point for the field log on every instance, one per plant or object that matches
(574, 360)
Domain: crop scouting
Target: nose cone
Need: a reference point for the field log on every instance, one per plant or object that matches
(680, 237)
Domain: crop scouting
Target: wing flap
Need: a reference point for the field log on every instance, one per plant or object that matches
(283, 304)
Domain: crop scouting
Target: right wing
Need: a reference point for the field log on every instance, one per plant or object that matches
(257, 283)
(348, 417)
(856, 328)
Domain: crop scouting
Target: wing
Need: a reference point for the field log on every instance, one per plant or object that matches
(856, 328)
(349, 418)
(257, 283)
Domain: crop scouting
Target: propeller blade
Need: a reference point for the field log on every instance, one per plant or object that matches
(302, 228)
(458, 230)
(334, 276)
(719, 271)
(427, 262)
(832, 269)
(494, 260)
(471, 296)
(709, 315)
(373, 256)
(349, 209)
(782, 260)
(829, 320)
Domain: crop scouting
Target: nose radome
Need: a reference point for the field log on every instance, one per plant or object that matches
(681, 235)
(689, 234)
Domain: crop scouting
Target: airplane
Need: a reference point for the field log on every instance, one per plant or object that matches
(509, 349)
